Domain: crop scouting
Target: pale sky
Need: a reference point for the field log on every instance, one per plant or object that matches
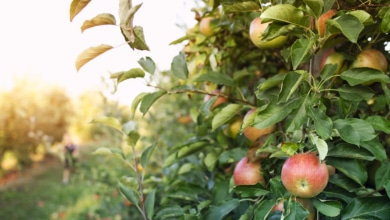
(38, 40)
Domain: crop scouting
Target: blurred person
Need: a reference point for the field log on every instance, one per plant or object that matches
(70, 152)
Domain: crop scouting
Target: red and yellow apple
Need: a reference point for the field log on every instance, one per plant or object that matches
(252, 133)
(220, 100)
(205, 26)
(304, 175)
(246, 173)
(371, 58)
(256, 30)
(321, 21)
(332, 57)
(234, 128)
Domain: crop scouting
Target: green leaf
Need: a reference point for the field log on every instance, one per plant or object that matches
(355, 93)
(149, 204)
(339, 193)
(132, 138)
(352, 168)
(183, 193)
(301, 51)
(211, 160)
(349, 25)
(129, 193)
(264, 208)
(322, 123)
(110, 151)
(382, 177)
(379, 123)
(145, 156)
(136, 101)
(179, 66)
(289, 148)
(331, 208)
(290, 84)
(277, 187)
(285, 13)
(223, 116)
(295, 210)
(218, 212)
(354, 130)
(251, 190)
(130, 74)
(147, 64)
(321, 145)
(299, 116)
(149, 99)
(377, 207)
(376, 148)
(315, 7)
(328, 4)
(271, 82)
(108, 121)
(185, 150)
(274, 113)
(345, 150)
(355, 76)
(217, 78)
(344, 182)
(363, 16)
(246, 6)
(169, 212)
(385, 24)
(102, 151)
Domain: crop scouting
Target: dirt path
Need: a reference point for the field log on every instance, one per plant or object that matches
(17, 178)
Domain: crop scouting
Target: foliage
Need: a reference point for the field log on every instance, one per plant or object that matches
(32, 116)
(341, 116)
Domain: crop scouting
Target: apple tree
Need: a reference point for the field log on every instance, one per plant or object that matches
(306, 78)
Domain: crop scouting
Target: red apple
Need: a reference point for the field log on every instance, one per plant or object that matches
(253, 133)
(220, 99)
(256, 29)
(371, 58)
(205, 26)
(321, 21)
(303, 175)
(246, 173)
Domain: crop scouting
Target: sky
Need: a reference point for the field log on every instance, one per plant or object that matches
(38, 41)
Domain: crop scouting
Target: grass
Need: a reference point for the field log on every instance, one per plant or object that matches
(91, 193)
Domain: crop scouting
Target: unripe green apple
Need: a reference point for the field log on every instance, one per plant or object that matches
(256, 29)
(303, 175)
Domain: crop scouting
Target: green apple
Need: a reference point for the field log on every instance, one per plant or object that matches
(256, 30)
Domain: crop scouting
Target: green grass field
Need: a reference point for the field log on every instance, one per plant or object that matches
(39, 194)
